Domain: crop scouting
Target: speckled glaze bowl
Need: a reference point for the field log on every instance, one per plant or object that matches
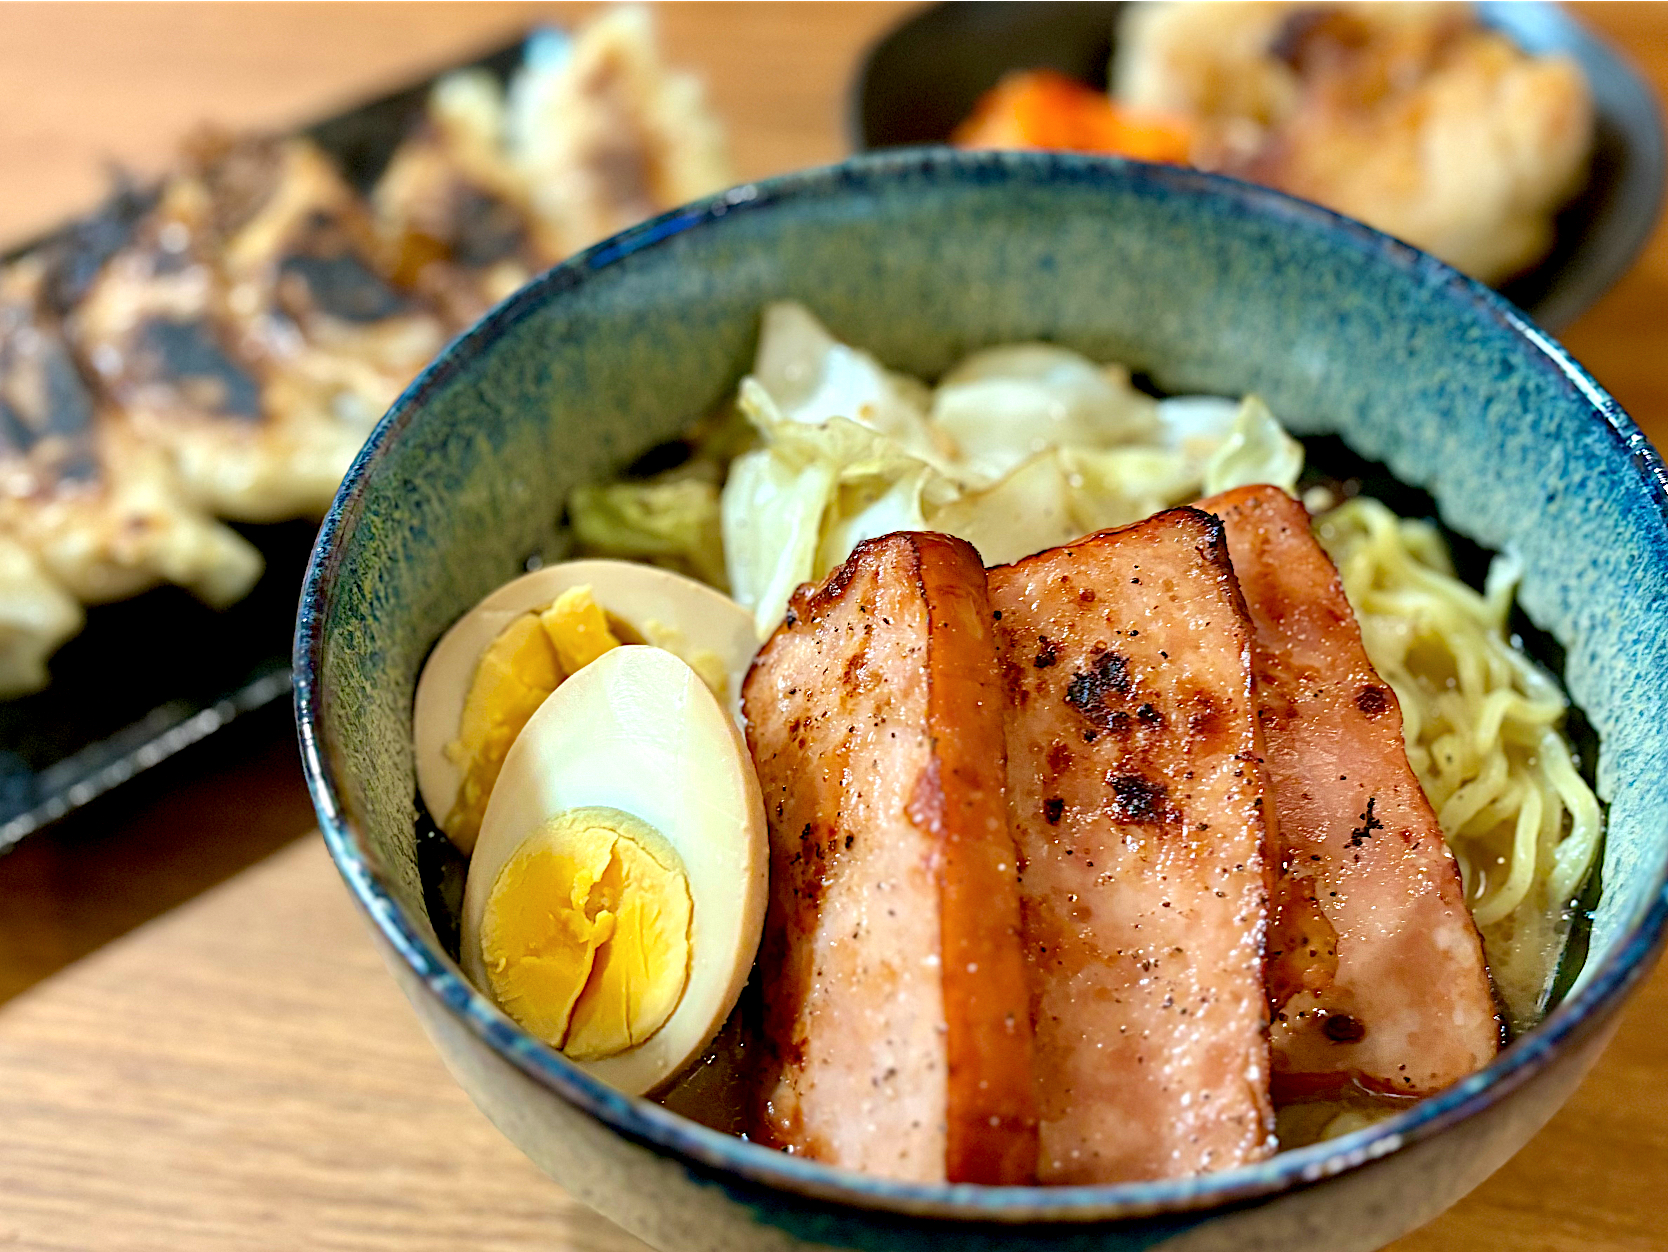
(1206, 284)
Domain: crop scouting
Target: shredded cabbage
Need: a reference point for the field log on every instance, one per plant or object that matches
(1004, 405)
(813, 377)
(1027, 510)
(772, 515)
(1257, 450)
(1018, 449)
(674, 524)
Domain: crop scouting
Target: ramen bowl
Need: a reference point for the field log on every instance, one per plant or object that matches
(1205, 285)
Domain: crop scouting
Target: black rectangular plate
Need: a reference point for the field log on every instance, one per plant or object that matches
(157, 675)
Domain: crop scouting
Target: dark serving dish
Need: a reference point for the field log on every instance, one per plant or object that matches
(155, 675)
(924, 77)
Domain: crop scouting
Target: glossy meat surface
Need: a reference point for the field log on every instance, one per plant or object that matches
(1376, 973)
(1136, 800)
(896, 1027)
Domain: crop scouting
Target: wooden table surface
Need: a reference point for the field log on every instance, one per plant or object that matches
(191, 1066)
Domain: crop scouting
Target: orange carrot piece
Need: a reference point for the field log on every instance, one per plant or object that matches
(1046, 109)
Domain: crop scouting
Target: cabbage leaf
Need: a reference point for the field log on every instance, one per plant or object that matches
(1004, 405)
(1257, 450)
(673, 524)
(1025, 511)
(812, 377)
(772, 522)
(1019, 449)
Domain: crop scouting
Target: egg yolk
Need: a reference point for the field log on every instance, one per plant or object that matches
(519, 669)
(586, 933)
(578, 628)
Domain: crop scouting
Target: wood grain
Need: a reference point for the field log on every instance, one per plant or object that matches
(241, 1072)
(244, 1074)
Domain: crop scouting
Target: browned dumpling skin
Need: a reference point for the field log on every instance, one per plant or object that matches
(95, 504)
(1376, 974)
(498, 184)
(310, 289)
(455, 214)
(248, 329)
(613, 135)
(1136, 799)
(896, 1031)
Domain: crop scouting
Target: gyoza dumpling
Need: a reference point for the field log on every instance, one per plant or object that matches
(248, 329)
(455, 214)
(606, 134)
(36, 615)
(94, 503)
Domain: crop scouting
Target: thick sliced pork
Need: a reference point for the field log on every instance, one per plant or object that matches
(1376, 974)
(896, 1031)
(1135, 795)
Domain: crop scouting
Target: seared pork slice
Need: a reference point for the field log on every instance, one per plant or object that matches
(897, 1036)
(1376, 974)
(1135, 793)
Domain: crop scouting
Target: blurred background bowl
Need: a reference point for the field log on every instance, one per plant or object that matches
(1207, 285)
(922, 79)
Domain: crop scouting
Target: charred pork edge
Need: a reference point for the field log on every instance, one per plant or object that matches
(961, 801)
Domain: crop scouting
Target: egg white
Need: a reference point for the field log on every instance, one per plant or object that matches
(637, 730)
(634, 593)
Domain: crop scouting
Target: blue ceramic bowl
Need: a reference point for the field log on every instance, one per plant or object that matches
(1206, 284)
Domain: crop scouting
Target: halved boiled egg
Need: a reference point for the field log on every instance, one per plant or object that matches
(617, 890)
(497, 664)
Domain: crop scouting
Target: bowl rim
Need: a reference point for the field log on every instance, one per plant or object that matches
(713, 1152)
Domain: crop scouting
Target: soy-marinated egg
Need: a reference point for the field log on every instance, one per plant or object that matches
(497, 664)
(617, 890)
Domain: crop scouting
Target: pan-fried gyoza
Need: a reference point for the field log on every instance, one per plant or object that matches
(90, 511)
(222, 345)
(246, 330)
